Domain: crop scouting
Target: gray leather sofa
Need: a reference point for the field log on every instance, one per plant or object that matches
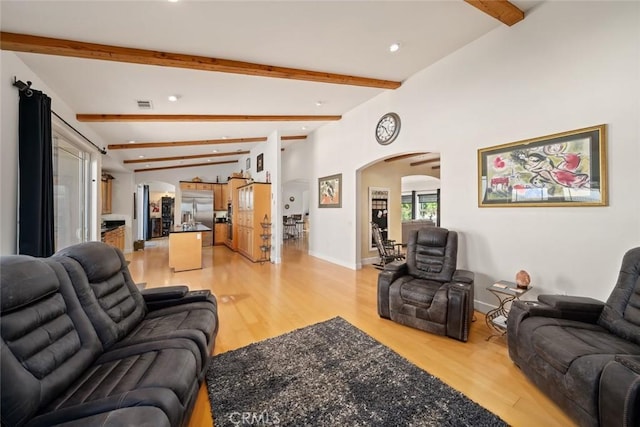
(583, 353)
(81, 346)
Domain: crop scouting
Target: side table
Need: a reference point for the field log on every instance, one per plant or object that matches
(506, 292)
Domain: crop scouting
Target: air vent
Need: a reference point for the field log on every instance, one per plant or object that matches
(145, 105)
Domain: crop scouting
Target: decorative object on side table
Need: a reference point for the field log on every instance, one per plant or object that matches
(523, 279)
(506, 292)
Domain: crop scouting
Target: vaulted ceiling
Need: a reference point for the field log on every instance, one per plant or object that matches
(240, 70)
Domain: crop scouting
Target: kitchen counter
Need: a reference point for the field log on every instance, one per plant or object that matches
(189, 228)
(185, 247)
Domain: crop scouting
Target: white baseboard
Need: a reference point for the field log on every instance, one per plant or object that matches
(334, 261)
(482, 307)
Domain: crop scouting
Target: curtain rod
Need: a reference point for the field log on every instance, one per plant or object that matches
(26, 88)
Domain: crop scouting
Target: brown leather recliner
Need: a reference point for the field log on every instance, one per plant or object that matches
(427, 291)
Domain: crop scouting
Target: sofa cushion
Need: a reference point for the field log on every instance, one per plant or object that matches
(119, 313)
(425, 300)
(47, 340)
(107, 292)
(196, 321)
(432, 253)
(139, 416)
(561, 342)
(621, 313)
(161, 374)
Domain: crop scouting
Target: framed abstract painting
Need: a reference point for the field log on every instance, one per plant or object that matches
(563, 169)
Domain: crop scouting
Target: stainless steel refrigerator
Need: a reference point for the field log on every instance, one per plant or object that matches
(197, 206)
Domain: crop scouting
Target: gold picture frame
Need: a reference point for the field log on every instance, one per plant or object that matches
(330, 191)
(563, 169)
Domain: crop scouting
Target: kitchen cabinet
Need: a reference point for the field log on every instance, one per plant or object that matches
(106, 191)
(254, 203)
(114, 237)
(188, 185)
(220, 197)
(232, 191)
(220, 235)
(185, 247)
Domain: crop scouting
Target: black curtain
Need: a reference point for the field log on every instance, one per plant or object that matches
(35, 161)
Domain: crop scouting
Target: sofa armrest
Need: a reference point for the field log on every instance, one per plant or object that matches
(463, 276)
(177, 298)
(392, 271)
(166, 293)
(619, 394)
(581, 309)
(459, 310)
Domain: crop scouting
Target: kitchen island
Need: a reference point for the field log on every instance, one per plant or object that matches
(185, 247)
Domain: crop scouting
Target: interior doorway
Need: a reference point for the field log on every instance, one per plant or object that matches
(295, 217)
(155, 209)
(394, 183)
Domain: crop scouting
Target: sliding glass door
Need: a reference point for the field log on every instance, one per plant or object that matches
(71, 193)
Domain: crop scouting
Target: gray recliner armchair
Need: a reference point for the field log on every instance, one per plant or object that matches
(583, 353)
(427, 291)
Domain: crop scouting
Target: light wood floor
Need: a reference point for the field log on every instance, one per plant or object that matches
(262, 301)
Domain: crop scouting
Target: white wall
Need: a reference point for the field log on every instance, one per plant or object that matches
(568, 65)
(12, 66)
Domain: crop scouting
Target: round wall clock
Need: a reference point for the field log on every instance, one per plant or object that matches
(387, 128)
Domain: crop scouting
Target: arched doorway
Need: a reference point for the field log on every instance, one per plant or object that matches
(382, 180)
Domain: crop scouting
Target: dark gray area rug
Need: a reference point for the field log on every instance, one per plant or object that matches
(332, 374)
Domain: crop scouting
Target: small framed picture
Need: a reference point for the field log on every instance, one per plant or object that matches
(330, 191)
(260, 162)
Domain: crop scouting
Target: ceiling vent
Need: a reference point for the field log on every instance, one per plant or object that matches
(145, 105)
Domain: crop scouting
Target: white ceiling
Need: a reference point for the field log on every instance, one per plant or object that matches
(345, 37)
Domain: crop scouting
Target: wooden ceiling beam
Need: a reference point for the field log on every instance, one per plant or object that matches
(424, 162)
(186, 166)
(78, 49)
(292, 137)
(404, 156)
(185, 143)
(201, 118)
(196, 156)
(502, 10)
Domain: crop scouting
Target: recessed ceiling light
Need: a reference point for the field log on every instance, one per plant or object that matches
(394, 47)
(208, 160)
(225, 137)
(215, 151)
(173, 98)
(173, 1)
(319, 103)
(304, 128)
(146, 166)
(141, 157)
(131, 141)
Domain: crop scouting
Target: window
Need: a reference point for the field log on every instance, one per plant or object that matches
(407, 207)
(421, 206)
(70, 193)
(428, 207)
